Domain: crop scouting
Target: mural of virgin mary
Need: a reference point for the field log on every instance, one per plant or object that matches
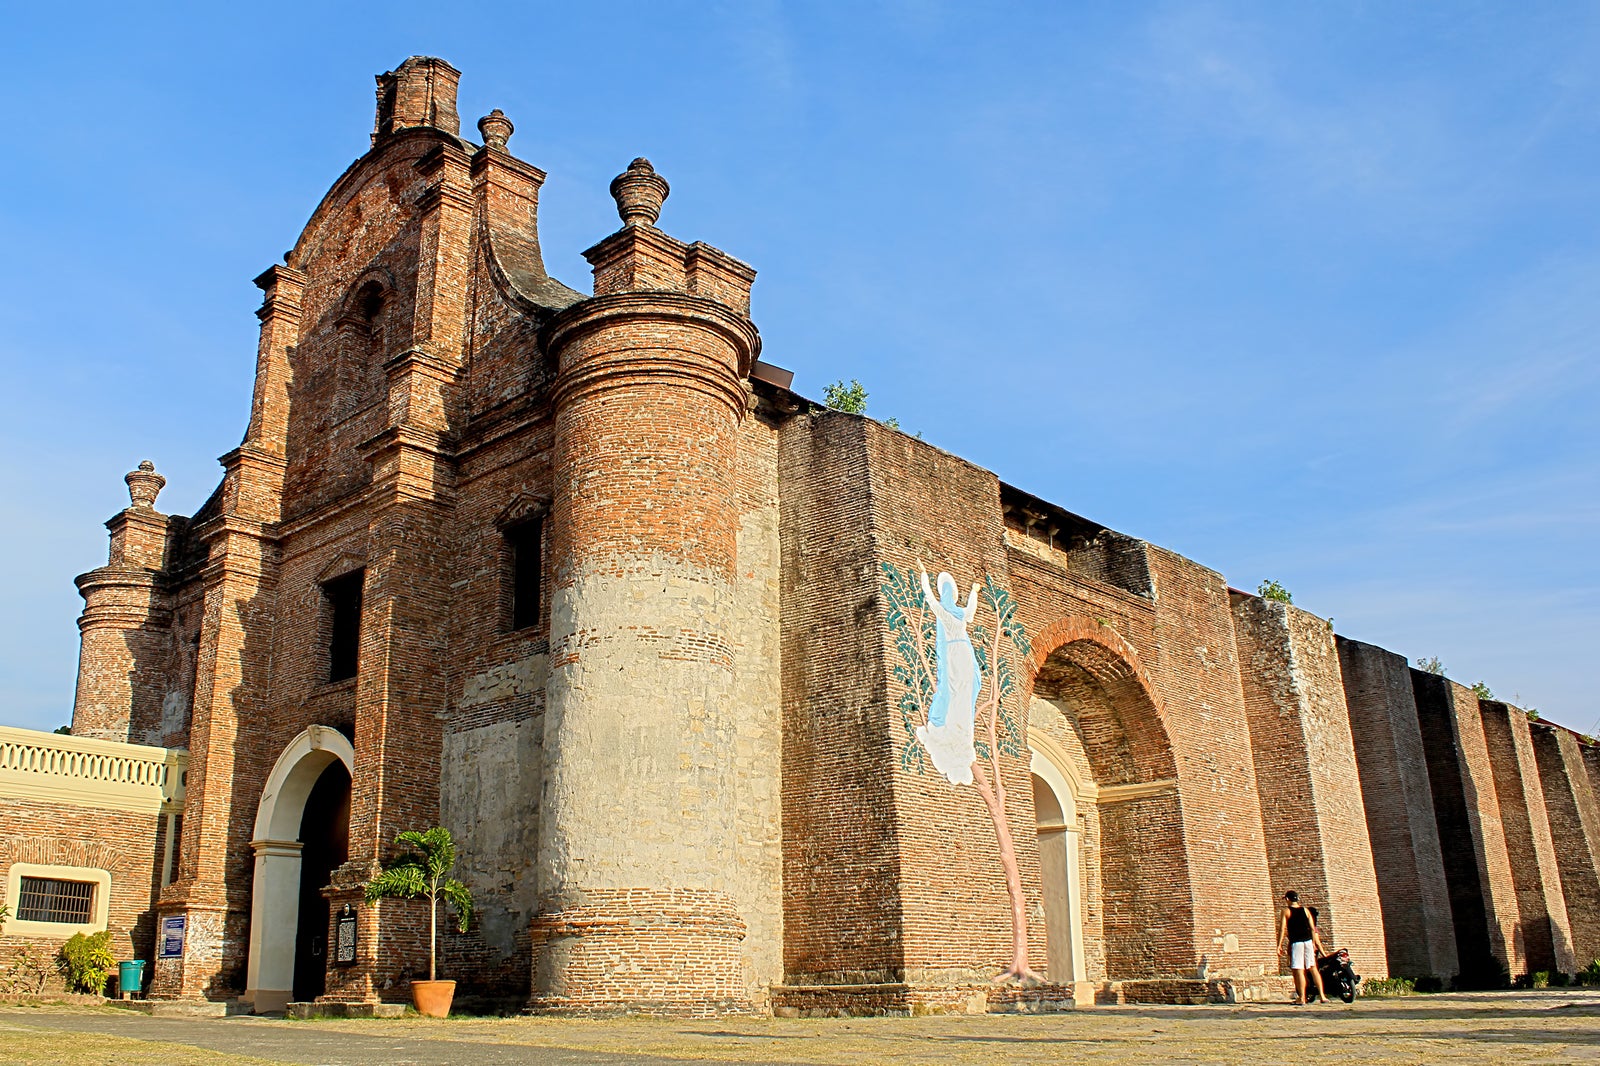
(947, 736)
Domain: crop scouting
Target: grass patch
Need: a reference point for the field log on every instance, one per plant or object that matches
(1381, 987)
(26, 1046)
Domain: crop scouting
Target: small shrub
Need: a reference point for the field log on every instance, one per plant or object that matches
(26, 975)
(1589, 975)
(1272, 590)
(86, 962)
(1379, 987)
(851, 398)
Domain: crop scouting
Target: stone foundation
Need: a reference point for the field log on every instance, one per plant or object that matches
(640, 951)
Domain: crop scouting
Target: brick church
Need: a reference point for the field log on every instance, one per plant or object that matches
(731, 701)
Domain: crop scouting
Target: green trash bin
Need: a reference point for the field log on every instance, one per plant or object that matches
(130, 978)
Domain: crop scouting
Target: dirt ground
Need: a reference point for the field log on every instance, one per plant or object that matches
(1527, 1028)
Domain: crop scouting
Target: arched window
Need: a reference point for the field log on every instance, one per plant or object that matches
(360, 347)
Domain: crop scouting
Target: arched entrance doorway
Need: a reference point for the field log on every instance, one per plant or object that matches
(1055, 805)
(301, 834)
(1101, 749)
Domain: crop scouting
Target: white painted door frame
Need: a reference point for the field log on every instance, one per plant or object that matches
(275, 895)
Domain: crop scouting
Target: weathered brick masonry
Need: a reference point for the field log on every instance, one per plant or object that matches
(1306, 771)
(1541, 907)
(1477, 867)
(578, 576)
(1392, 763)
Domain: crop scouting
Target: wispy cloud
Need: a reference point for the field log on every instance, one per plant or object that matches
(1407, 150)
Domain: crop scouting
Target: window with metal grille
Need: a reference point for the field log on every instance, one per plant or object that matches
(47, 899)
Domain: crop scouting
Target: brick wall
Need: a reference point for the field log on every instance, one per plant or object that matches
(1575, 833)
(841, 858)
(644, 538)
(129, 846)
(1306, 772)
(1541, 907)
(758, 702)
(702, 727)
(1477, 869)
(956, 921)
(1095, 706)
(1196, 672)
(1419, 935)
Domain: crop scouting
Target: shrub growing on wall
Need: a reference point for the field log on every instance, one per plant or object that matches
(1272, 590)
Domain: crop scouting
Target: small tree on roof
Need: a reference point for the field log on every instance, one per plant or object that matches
(851, 398)
(421, 873)
(1273, 590)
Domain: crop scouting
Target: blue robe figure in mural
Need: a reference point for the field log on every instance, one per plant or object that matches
(947, 738)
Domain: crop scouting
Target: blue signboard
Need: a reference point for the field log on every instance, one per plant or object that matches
(171, 946)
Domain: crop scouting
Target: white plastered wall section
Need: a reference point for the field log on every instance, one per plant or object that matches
(758, 721)
(639, 790)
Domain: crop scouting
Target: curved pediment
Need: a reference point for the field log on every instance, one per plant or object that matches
(345, 562)
(524, 507)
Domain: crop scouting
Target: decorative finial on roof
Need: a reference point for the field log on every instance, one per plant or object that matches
(144, 485)
(496, 130)
(639, 192)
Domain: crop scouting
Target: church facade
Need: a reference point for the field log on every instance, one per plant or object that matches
(732, 702)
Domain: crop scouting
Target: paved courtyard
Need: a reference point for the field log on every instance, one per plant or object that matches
(1558, 1026)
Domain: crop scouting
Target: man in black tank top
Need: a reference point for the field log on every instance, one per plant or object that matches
(1297, 934)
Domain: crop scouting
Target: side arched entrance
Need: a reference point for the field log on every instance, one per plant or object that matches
(1057, 794)
(1113, 864)
(302, 833)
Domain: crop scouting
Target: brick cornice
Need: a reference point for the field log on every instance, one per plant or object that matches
(419, 360)
(630, 239)
(119, 577)
(490, 165)
(654, 308)
(416, 438)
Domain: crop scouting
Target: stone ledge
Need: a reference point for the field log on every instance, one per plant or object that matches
(305, 1010)
(177, 1008)
(909, 1000)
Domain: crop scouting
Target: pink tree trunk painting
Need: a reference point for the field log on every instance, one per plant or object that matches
(957, 676)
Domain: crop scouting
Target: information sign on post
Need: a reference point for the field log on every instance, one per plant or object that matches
(344, 950)
(172, 929)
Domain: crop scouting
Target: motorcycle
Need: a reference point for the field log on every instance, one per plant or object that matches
(1338, 976)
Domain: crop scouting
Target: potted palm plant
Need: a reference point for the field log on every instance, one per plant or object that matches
(421, 873)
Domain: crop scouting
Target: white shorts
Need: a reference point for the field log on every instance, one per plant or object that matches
(1301, 955)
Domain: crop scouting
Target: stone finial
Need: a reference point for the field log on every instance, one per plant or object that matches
(144, 485)
(639, 192)
(496, 130)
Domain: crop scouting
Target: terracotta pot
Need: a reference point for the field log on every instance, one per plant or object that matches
(432, 998)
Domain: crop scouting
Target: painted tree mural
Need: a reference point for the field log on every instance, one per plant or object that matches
(947, 707)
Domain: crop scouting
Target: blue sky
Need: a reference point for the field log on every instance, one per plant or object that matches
(1306, 292)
